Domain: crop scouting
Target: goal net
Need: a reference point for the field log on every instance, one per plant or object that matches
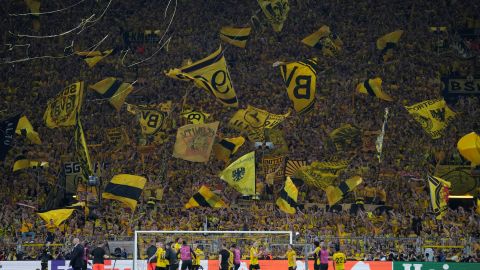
(271, 243)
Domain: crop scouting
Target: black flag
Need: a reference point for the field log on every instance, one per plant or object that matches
(7, 131)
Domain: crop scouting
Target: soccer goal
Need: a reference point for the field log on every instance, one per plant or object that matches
(210, 242)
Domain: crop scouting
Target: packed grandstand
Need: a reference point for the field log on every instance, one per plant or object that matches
(350, 123)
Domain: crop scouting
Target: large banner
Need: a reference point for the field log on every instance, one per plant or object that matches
(460, 177)
(194, 142)
(274, 166)
(460, 86)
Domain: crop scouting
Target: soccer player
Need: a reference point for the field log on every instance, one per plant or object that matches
(230, 257)
(339, 260)
(186, 255)
(151, 250)
(160, 256)
(223, 258)
(316, 255)
(178, 244)
(291, 257)
(254, 253)
(198, 256)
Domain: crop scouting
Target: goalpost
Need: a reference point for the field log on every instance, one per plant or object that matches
(209, 240)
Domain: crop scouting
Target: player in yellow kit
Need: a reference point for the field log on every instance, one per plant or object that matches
(291, 257)
(254, 253)
(160, 256)
(339, 260)
(199, 256)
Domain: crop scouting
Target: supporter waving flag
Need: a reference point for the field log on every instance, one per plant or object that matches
(58, 215)
(287, 199)
(194, 142)
(276, 12)
(237, 36)
(325, 40)
(433, 115)
(81, 150)
(387, 44)
(93, 57)
(205, 198)
(114, 90)
(7, 133)
(26, 129)
(335, 194)
(210, 73)
(439, 191)
(241, 174)
(62, 110)
(373, 87)
(125, 188)
(226, 147)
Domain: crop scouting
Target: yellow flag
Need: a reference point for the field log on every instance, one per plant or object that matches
(114, 90)
(254, 119)
(152, 119)
(81, 150)
(335, 194)
(194, 116)
(276, 12)
(373, 87)
(237, 36)
(241, 174)
(387, 43)
(469, 147)
(321, 174)
(433, 115)
(25, 128)
(125, 188)
(194, 142)
(225, 148)
(58, 216)
(93, 57)
(439, 191)
(62, 110)
(205, 198)
(325, 40)
(287, 199)
(301, 80)
(345, 137)
(21, 162)
(211, 74)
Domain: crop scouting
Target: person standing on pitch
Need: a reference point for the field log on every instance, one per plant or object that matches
(291, 257)
(323, 257)
(186, 254)
(237, 257)
(99, 256)
(151, 250)
(223, 258)
(339, 260)
(198, 256)
(254, 254)
(161, 263)
(76, 256)
(316, 255)
(171, 256)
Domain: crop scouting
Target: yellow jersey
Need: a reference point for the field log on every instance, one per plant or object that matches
(160, 254)
(177, 247)
(291, 257)
(199, 255)
(317, 256)
(230, 259)
(339, 259)
(253, 255)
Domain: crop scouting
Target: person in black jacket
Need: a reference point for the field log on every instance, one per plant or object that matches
(171, 256)
(76, 256)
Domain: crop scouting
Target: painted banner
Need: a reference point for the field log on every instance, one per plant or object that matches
(194, 142)
(274, 166)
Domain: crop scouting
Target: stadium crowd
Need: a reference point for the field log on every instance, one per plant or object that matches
(413, 75)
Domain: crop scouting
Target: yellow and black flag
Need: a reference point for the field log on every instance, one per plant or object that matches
(62, 110)
(301, 79)
(346, 137)
(276, 12)
(323, 39)
(225, 148)
(24, 128)
(210, 73)
(21, 162)
(434, 116)
(294, 165)
(81, 150)
(387, 44)
(240, 174)
(114, 90)
(205, 198)
(237, 36)
(125, 188)
(287, 199)
(93, 57)
(439, 191)
(58, 215)
(373, 87)
(335, 194)
(194, 116)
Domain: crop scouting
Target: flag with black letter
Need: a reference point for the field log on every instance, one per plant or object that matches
(274, 168)
(373, 87)
(125, 188)
(93, 57)
(226, 147)
(152, 119)
(114, 90)
(241, 174)
(325, 40)
(237, 36)
(276, 12)
(434, 116)
(205, 198)
(210, 73)
(194, 142)
(194, 116)
(26, 129)
(335, 194)
(301, 79)
(7, 133)
(439, 191)
(287, 199)
(62, 110)
(345, 137)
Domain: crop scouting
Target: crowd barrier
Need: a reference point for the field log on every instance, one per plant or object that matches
(264, 265)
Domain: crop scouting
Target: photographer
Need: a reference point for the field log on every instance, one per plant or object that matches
(45, 256)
